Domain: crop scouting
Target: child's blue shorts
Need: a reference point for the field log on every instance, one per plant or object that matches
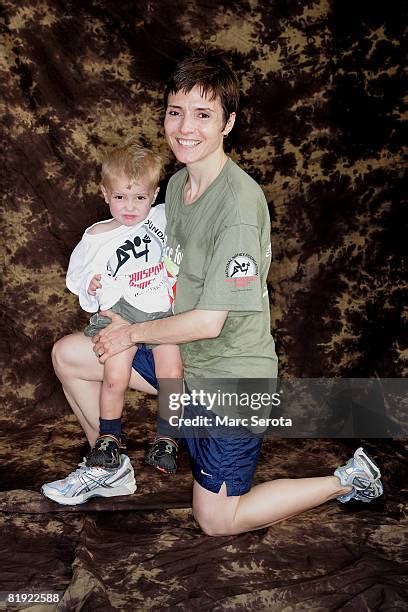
(214, 459)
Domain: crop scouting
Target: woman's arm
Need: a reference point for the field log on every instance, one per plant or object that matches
(182, 328)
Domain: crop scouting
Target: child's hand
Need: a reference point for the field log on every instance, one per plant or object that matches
(94, 284)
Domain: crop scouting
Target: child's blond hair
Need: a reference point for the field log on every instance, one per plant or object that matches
(132, 160)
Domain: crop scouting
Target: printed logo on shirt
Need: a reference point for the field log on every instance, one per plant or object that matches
(154, 229)
(172, 260)
(269, 251)
(174, 255)
(142, 278)
(241, 270)
(129, 248)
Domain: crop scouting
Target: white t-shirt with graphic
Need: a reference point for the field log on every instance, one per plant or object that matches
(130, 261)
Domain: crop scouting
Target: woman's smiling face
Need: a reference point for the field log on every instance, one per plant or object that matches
(195, 125)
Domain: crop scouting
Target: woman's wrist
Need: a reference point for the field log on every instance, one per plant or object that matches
(133, 336)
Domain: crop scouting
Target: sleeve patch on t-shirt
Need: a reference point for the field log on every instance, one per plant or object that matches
(241, 270)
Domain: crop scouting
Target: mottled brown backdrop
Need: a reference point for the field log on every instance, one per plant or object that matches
(320, 127)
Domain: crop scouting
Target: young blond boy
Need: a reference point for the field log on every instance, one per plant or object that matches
(118, 265)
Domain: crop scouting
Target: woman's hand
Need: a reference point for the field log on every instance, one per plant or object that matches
(114, 339)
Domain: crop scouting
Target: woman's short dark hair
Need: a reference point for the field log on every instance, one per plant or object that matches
(212, 74)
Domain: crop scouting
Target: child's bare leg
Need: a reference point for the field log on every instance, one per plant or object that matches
(116, 376)
(169, 373)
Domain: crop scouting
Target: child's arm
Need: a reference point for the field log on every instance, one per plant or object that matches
(81, 273)
(88, 257)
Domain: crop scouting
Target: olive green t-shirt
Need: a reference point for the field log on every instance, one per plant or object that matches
(218, 254)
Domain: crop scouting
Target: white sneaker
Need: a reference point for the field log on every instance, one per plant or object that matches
(361, 473)
(86, 482)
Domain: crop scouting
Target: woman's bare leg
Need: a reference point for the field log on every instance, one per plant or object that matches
(264, 505)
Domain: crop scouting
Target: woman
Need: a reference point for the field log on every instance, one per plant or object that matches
(218, 254)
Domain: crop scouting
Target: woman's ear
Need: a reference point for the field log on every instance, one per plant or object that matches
(229, 125)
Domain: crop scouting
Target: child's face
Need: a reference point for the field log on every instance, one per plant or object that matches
(129, 203)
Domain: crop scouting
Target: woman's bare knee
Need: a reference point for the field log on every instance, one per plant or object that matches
(214, 512)
(59, 354)
(205, 524)
(73, 357)
(214, 523)
(211, 525)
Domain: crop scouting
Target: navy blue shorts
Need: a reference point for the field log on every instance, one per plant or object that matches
(143, 363)
(221, 454)
(214, 459)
